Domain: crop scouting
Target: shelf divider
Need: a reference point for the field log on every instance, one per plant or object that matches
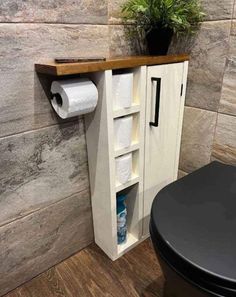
(134, 147)
(134, 180)
(126, 111)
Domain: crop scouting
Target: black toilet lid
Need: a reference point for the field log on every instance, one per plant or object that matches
(195, 218)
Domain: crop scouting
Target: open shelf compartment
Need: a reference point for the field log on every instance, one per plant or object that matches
(135, 137)
(135, 100)
(135, 173)
(133, 219)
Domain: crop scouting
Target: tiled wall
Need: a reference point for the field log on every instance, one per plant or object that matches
(45, 211)
(209, 131)
(45, 208)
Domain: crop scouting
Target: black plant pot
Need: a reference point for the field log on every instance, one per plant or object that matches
(158, 40)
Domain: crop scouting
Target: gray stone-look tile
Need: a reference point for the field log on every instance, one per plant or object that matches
(23, 45)
(224, 148)
(181, 174)
(197, 138)
(114, 11)
(234, 14)
(35, 243)
(228, 95)
(232, 49)
(217, 9)
(121, 44)
(208, 51)
(23, 102)
(54, 11)
(41, 167)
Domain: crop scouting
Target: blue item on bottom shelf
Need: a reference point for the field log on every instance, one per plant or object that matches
(121, 219)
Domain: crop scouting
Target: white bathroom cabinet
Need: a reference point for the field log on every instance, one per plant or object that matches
(157, 110)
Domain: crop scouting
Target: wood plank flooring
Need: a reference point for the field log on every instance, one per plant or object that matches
(90, 273)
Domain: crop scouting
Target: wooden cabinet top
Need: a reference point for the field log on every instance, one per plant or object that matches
(112, 63)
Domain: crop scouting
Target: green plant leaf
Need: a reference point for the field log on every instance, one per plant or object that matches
(182, 16)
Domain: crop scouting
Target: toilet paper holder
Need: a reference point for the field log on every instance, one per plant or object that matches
(73, 97)
(58, 98)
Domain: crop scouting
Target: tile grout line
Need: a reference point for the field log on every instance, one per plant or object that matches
(81, 119)
(232, 18)
(183, 170)
(91, 24)
(205, 21)
(201, 108)
(41, 209)
(214, 111)
(53, 23)
(41, 128)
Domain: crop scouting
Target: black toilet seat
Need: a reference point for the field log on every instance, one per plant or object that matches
(197, 277)
(193, 226)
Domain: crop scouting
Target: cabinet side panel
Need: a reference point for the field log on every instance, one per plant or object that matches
(181, 116)
(141, 87)
(99, 125)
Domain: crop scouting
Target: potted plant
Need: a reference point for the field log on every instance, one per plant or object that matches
(159, 20)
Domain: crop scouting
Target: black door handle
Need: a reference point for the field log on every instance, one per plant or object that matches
(157, 107)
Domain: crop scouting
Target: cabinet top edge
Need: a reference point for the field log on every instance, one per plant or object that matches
(56, 69)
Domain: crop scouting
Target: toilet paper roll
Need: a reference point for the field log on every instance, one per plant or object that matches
(124, 168)
(74, 97)
(123, 132)
(122, 86)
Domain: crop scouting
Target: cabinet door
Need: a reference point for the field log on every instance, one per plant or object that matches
(164, 113)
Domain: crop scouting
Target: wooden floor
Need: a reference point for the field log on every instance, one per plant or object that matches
(90, 273)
